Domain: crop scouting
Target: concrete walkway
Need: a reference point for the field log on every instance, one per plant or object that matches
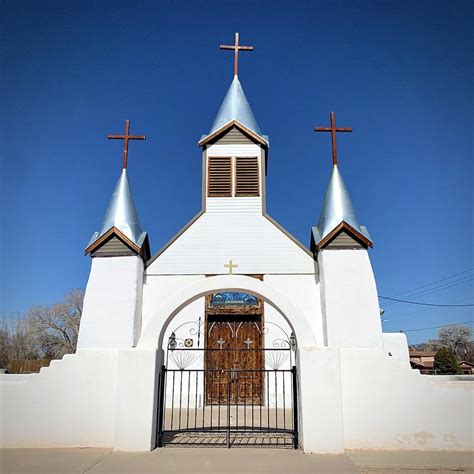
(220, 461)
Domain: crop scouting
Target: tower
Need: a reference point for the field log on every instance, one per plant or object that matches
(234, 151)
(112, 315)
(349, 300)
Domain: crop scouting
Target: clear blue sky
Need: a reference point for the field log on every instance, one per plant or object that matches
(399, 73)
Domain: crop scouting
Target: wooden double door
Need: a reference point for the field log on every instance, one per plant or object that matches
(234, 359)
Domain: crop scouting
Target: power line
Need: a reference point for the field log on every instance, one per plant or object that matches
(433, 282)
(440, 287)
(422, 310)
(436, 327)
(437, 289)
(426, 304)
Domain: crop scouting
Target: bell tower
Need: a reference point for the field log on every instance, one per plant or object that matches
(234, 152)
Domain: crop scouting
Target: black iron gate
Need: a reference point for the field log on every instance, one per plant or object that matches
(206, 401)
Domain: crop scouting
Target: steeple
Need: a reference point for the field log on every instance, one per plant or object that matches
(121, 227)
(121, 212)
(235, 106)
(338, 215)
(235, 109)
(121, 222)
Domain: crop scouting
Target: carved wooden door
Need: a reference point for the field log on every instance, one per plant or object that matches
(234, 359)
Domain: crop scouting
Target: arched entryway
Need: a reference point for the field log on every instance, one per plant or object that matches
(153, 333)
(233, 390)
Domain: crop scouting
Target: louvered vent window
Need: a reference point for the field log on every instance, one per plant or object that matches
(246, 183)
(220, 177)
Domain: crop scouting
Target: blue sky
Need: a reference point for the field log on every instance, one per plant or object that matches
(399, 73)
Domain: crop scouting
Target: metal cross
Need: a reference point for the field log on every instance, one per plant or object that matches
(236, 47)
(333, 129)
(248, 341)
(230, 266)
(126, 137)
(221, 342)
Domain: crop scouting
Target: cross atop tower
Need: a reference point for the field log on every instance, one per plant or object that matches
(333, 129)
(126, 137)
(236, 47)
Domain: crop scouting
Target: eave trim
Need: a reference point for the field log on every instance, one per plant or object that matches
(350, 230)
(228, 125)
(112, 231)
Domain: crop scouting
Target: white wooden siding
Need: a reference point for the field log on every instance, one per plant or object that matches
(248, 238)
(233, 228)
(235, 149)
(235, 205)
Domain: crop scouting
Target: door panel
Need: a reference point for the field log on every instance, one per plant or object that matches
(234, 361)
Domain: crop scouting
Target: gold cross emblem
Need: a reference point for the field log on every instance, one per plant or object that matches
(230, 266)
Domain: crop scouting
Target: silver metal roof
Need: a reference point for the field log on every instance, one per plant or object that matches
(122, 213)
(235, 106)
(337, 207)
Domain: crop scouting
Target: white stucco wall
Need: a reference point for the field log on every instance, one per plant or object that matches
(136, 400)
(304, 292)
(159, 288)
(69, 403)
(387, 405)
(111, 313)
(349, 299)
(396, 345)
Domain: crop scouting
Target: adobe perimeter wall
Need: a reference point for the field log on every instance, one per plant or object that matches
(387, 405)
(356, 399)
(70, 403)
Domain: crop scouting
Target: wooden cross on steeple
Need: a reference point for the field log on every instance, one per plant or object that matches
(126, 137)
(236, 47)
(333, 129)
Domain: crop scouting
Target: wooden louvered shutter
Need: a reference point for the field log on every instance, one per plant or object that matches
(247, 182)
(219, 177)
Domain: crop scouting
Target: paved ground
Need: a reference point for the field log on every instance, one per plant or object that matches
(238, 460)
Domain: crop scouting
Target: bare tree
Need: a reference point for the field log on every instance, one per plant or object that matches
(56, 327)
(4, 343)
(22, 342)
(456, 338)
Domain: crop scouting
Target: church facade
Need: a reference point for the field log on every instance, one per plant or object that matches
(235, 332)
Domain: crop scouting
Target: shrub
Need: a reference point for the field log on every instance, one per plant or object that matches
(445, 362)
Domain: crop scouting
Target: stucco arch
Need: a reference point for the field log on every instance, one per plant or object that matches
(152, 333)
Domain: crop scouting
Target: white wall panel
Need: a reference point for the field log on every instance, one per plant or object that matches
(159, 288)
(250, 240)
(69, 403)
(304, 292)
(234, 150)
(245, 205)
(387, 405)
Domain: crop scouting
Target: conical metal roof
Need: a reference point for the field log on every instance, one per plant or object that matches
(337, 208)
(121, 213)
(235, 106)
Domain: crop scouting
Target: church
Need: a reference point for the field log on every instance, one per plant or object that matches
(235, 333)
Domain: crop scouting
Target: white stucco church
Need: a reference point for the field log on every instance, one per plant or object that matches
(234, 331)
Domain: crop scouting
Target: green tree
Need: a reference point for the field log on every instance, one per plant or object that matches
(445, 361)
